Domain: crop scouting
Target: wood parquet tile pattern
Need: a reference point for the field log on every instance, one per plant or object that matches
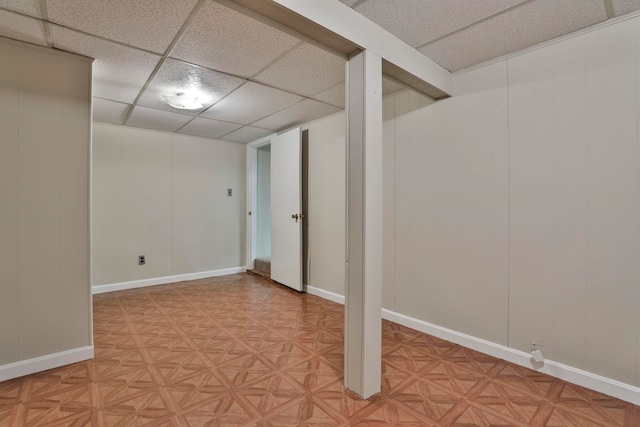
(240, 350)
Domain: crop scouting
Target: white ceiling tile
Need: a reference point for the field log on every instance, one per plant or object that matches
(28, 7)
(522, 27)
(247, 134)
(21, 28)
(390, 86)
(334, 96)
(148, 24)
(419, 21)
(208, 128)
(622, 7)
(251, 102)
(179, 77)
(119, 72)
(305, 70)
(109, 111)
(149, 118)
(296, 114)
(228, 41)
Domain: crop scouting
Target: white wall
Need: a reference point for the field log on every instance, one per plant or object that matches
(164, 196)
(516, 203)
(326, 198)
(45, 121)
(511, 210)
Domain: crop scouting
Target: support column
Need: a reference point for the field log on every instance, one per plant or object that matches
(363, 305)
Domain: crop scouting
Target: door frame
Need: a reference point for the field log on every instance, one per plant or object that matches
(251, 235)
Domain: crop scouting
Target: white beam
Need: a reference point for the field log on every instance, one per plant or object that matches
(354, 27)
(363, 305)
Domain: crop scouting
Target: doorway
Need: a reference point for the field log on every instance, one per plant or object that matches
(275, 204)
(262, 263)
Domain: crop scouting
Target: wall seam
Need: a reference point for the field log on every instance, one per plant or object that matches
(555, 204)
(171, 141)
(17, 342)
(508, 207)
(395, 207)
(60, 192)
(586, 172)
(637, 217)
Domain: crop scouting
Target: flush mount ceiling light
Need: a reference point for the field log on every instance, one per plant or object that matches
(183, 101)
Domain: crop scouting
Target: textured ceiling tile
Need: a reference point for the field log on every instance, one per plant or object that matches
(247, 134)
(522, 27)
(179, 77)
(419, 21)
(148, 24)
(334, 96)
(119, 72)
(28, 7)
(305, 70)
(296, 114)
(21, 28)
(208, 128)
(225, 40)
(622, 7)
(109, 111)
(390, 86)
(251, 102)
(149, 118)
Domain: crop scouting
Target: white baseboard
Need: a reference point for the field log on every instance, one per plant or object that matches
(567, 373)
(42, 363)
(100, 289)
(331, 296)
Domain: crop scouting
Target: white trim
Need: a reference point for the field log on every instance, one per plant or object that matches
(252, 197)
(43, 363)
(592, 381)
(567, 373)
(331, 296)
(100, 289)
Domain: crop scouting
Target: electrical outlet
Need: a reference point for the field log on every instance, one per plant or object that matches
(141, 260)
(536, 343)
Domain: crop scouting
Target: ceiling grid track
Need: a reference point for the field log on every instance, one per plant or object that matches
(276, 25)
(167, 52)
(466, 27)
(247, 79)
(45, 23)
(281, 68)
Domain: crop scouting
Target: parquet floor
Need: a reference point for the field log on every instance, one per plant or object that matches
(238, 350)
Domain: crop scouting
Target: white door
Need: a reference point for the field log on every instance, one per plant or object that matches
(286, 209)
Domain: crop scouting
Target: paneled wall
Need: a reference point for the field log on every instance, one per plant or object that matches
(451, 208)
(574, 200)
(515, 203)
(164, 196)
(325, 217)
(45, 120)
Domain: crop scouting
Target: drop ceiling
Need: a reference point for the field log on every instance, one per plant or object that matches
(254, 77)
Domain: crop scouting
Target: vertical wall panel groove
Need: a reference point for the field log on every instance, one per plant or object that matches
(573, 182)
(9, 99)
(44, 267)
(612, 205)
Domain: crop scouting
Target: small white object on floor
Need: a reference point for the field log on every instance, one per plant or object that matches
(537, 356)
